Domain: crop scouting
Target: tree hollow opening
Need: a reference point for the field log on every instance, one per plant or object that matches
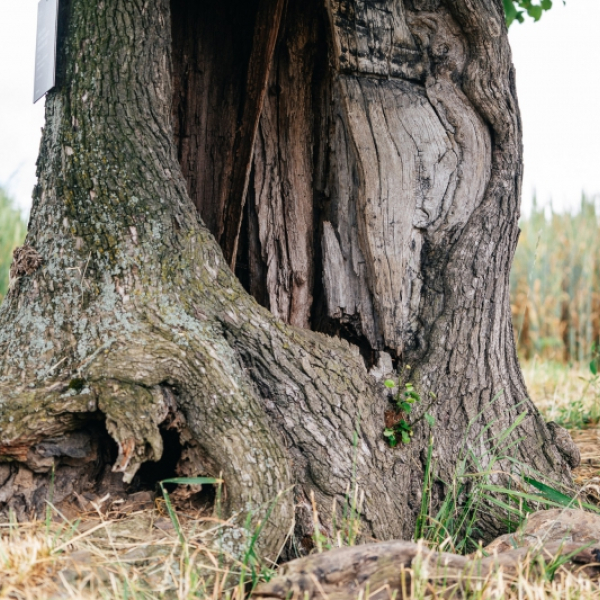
(246, 108)
(298, 197)
(74, 473)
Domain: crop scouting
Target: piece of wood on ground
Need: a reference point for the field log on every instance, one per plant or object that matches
(387, 567)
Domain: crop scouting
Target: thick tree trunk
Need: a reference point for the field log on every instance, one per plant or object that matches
(382, 205)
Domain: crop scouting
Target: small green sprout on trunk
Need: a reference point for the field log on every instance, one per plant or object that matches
(398, 424)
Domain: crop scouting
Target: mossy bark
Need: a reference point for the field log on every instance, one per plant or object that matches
(134, 317)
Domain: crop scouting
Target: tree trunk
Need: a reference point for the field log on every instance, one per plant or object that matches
(382, 210)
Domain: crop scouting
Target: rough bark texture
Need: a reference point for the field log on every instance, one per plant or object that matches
(385, 185)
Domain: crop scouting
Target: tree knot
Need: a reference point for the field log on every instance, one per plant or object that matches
(26, 261)
(565, 444)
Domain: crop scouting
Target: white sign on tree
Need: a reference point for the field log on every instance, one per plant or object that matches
(45, 49)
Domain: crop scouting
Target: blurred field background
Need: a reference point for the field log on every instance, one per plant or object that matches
(555, 283)
(12, 233)
(555, 296)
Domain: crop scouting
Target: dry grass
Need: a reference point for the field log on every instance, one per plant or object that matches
(570, 395)
(528, 583)
(131, 558)
(141, 555)
(135, 556)
(567, 394)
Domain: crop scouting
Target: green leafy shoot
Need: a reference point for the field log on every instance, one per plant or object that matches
(404, 402)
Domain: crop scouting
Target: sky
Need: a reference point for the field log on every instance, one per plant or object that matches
(558, 83)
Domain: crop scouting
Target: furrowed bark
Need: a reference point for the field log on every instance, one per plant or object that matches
(385, 185)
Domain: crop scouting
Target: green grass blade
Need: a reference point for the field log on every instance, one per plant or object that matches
(193, 480)
(550, 493)
(172, 514)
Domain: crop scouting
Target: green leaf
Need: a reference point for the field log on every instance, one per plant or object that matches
(406, 407)
(510, 11)
(515, 10)
(594, 368)
(388, 432)
(430, 419)
(550, 493)
(389, 383)
(535, 12)
(405, 437)
(172, 514)
(192, 480)
(522, 495)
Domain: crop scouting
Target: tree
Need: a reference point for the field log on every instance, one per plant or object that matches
(360, 164)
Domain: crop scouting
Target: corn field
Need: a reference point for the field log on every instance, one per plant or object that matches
(555, 283)
(12, 234)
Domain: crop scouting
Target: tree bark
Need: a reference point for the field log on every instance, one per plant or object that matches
(383, 208)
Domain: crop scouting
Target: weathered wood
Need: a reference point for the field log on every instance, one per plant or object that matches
(388, 568)
(268, 20)
(420, 161)
(283, 170)
(212, 42)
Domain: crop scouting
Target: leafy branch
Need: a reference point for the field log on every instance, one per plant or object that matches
(515, 10)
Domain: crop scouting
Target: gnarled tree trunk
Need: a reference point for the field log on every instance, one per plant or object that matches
(380, 203)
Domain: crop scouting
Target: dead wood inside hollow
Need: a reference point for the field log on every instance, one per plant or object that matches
(75, 470)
